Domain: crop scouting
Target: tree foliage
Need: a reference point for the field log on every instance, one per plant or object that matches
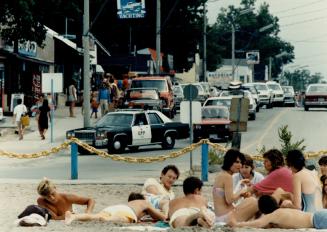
(301, 78)
(247, 35)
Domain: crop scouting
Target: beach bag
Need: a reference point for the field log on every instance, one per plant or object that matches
(25, 120)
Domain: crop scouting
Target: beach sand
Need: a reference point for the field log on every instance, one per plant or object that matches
(15, 197)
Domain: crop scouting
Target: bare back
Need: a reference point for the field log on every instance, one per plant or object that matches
(142, 207)
(291, 219)
(189, 201)
(58, 208)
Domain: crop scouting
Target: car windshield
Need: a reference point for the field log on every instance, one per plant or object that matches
(159, 84)
(149, 94)
(218, 102)
(274, 87)
(288, 90)
(261, 87)
(317, 88)
(115, 120)
(208, 113)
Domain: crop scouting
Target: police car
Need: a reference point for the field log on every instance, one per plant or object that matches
(132, 129)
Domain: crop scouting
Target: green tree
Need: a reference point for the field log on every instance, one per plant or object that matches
(301, 78)
(247, 34)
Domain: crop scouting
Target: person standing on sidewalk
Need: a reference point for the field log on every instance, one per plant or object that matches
(72, 98)
(19, 110)
(43, 118)
(104, 98)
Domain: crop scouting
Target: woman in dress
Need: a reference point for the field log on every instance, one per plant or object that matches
(43, 119)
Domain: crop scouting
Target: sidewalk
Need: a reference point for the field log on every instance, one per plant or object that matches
(32, 141)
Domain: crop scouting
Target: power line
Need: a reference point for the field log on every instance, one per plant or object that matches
(304, 21)
(290, 9)
(303, 13)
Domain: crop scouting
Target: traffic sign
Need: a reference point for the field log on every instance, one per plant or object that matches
(190, 92)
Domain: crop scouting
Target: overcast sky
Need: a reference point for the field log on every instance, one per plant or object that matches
(303, 23)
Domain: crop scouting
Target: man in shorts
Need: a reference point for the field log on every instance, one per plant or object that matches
(191, 209)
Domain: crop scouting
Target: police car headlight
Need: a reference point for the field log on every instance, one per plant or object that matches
(101, 135)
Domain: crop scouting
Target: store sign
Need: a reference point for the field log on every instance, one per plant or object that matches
(130, 9)
(253, 57)
(27, 48)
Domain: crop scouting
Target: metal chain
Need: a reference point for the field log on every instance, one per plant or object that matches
(128, 159)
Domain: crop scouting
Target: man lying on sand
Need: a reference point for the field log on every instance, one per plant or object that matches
(285, 218)
(132, 212)
(58, 203)
(192, 208)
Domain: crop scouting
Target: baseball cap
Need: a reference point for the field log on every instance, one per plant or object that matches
(31, 220)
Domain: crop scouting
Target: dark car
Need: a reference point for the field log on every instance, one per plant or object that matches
(315, 96)
(214, 125)
(131, 128)
(143, 98)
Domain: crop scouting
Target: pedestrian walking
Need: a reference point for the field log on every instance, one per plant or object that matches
(19, 110)
(104, 98)
(43, 118)
(72, 98)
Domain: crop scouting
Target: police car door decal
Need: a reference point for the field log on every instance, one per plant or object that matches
(141, 134)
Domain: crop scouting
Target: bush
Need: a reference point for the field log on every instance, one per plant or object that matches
(215, 157)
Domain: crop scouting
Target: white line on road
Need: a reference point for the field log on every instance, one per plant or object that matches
(258, 142)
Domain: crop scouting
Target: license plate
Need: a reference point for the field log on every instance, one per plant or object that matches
(213, 136)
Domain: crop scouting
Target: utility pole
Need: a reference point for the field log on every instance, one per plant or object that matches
(86, 65)
(270, 61)
(233, 52)
(158, 32)
(204, 43)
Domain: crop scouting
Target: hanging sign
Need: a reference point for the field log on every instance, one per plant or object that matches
(130, 9)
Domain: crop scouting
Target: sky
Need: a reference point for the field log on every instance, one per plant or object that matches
(303, 23)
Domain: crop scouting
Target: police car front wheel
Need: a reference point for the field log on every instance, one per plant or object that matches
(168, 141)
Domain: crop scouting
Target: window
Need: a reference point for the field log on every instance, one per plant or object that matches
(140, 120)
(154, 119)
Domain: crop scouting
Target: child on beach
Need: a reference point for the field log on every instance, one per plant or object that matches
(131, 212)
(59, 203)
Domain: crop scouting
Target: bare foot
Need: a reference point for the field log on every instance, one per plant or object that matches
(69, 217)
(207, 216)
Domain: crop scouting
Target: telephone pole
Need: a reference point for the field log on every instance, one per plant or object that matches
(158, 32)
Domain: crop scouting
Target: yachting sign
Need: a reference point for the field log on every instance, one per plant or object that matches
(130, 9)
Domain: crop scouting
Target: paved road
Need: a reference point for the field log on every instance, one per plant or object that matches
(263, 131)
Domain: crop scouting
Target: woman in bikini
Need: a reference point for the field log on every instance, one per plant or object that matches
(223, 196)
(306, 187)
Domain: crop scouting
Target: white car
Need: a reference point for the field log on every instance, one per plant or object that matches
(265, 94)
(289, 95)
(1, 114)
(254, 92)
(202, 95)
(278, 92)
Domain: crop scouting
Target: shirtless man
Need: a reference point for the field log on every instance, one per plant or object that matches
(285, 218)
(159, 193)
(58, 203)
(192, 208)
(132, 212)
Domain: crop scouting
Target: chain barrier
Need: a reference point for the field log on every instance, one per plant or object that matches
(128, 159)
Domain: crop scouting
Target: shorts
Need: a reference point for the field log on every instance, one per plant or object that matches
(154, 200)
(183, 212)
(319, 219)
(122, 211)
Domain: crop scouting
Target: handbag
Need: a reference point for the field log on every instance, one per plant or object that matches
(25, 120)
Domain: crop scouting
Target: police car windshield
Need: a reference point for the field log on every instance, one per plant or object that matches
(115, 120)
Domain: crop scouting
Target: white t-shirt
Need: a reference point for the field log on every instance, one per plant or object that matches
(19, 110)
(237, 177)
(161, 189)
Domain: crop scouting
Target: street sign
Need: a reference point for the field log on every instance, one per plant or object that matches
(185, 112)
(253, 57)
(190, 92)
(239, 113)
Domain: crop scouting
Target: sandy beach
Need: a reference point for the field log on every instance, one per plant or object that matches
(15, 197)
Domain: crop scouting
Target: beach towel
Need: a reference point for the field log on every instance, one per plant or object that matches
(279, 178)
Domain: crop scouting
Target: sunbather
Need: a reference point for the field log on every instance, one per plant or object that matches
(132, 212)
(190, 209)
(58, 203)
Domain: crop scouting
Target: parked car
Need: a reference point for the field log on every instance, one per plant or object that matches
(289, 95)
(165, 88)
(254, 92)
(178, 95)
(265, 94)
(278, 92)
(144, 98)
(214, 125)
(1, 114)
(218, 101)
(315, 96)
(131, 128)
